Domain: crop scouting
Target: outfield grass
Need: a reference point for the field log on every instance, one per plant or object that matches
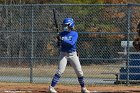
(92, 71)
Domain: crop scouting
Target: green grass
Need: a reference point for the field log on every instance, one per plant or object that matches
(92, 71)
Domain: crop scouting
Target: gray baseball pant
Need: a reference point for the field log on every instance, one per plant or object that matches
(74, 61)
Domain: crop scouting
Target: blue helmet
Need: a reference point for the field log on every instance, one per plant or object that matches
(69, 21)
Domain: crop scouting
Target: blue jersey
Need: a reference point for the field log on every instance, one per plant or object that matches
(69, 40)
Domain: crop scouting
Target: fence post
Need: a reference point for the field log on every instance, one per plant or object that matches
(128, 39)
(32, 45)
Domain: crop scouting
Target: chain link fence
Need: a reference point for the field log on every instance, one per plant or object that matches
(28, 51)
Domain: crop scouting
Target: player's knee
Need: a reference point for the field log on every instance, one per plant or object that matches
(59, 73)
(80, 73)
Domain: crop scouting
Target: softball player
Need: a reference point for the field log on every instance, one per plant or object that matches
(138, 29)
(68, 52)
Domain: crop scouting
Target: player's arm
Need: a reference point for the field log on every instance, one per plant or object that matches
(72, 40)
(136, 42)
(138, 29)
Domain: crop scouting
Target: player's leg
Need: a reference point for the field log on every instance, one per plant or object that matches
(74, 61)
(59, 72)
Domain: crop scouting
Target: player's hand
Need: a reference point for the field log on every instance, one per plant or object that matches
(136, 43)
(59, 38)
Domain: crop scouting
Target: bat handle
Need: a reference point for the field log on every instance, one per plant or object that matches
(59, 43)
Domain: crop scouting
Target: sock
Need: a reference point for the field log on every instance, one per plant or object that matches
(55, 80)
(81, 81)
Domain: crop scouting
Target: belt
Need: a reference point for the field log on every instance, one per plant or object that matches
(68, 52)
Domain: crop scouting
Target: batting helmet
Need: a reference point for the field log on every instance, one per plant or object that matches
(69, 22)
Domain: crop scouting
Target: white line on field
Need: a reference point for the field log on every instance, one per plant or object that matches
(15, 91)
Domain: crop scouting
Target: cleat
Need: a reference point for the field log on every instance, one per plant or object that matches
(84, 90)
(52, 90)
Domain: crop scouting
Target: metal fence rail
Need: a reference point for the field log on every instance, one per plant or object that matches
(28, 51)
